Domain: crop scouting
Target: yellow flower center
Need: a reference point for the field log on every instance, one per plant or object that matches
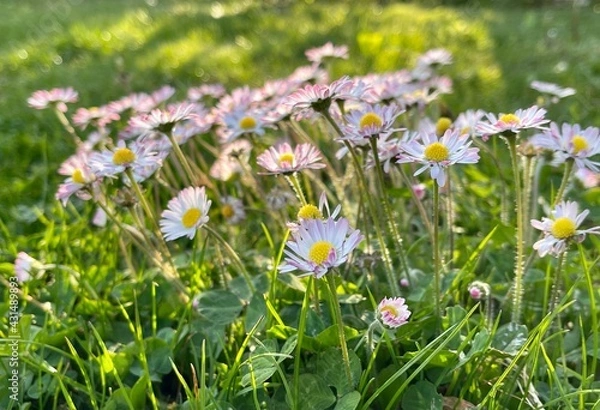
(370, 119)
(123, 156)
(78, 177)
(442, 125)
(563, 228)
(510, 119)
(390, 309)
(309, 212)
(436, 152)
(579, 144)
(286, 157)
(227, 211)
(190, 217)
(320, 251)
(247, 123)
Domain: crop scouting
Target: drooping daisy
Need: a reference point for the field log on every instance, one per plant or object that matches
(137, 157)
(79, 178)
(27, 267)
(561, 229)
(510, 124)
(185, 214)
(58, 97)
(232, 210)
(319, 245)
(571, 141)
(318, 54)
(162, 121)
(393, 312)
(318, 97)
(438, 154)
(371, 121)
(282, 159)
(95, 116)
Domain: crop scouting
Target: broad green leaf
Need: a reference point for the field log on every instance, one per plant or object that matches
(219, 306)
(314, 393)
(331, 367)
(330, 337)
(138, 393)
(348, 402)
(257, 308)
(422, 395)
(509, 338)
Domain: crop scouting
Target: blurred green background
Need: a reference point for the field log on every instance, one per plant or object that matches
(106, 49)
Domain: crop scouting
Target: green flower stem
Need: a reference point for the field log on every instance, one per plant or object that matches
(233, 255)
(593, 310)
(436, 253)
(387, 208)
(335, 306)
(519, 265)
(65, 123)
(556, 284)
(418, 203)
(565, 181)
(169, 272)
(450, 218)
(392, 277)
(296, 187)
(181, 158)
(298, 353)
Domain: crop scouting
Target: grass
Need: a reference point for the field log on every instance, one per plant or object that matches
(105, 328)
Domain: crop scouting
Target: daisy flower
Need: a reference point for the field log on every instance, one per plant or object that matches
(438, 154)
(96, 116)
(561, 229)
(239, 122)
(137, 156)
(282, 159)
(319, 245)
(232, 210)
(570, 141)
(467, 121)
(318, 97)
(310, 211)
(58, 97)
(318, 54)
(206, 90)
(436, 56)
(532, 117)
(371, 121)
(589, 179)
(185, 214)
(554, 91)
(162, 121)
(27, 267)
(393, 312)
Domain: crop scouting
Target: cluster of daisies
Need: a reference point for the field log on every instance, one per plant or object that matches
(144, 135)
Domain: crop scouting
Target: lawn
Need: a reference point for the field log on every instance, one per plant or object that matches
(121, 315)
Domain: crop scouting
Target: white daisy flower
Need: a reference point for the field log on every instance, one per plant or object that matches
(554, 91)
(561, 229)
(137, 156)
(282, 159)
(393, 312)
(438, 154)
(532, 117)
(185, 214)
(319, 245)
(232, 210)
(27, 268)
(571, 141)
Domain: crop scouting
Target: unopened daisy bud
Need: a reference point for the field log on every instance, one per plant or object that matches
(393, 312)
(478, 290)
(419, 190)
(442, 125)
(404, 283)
